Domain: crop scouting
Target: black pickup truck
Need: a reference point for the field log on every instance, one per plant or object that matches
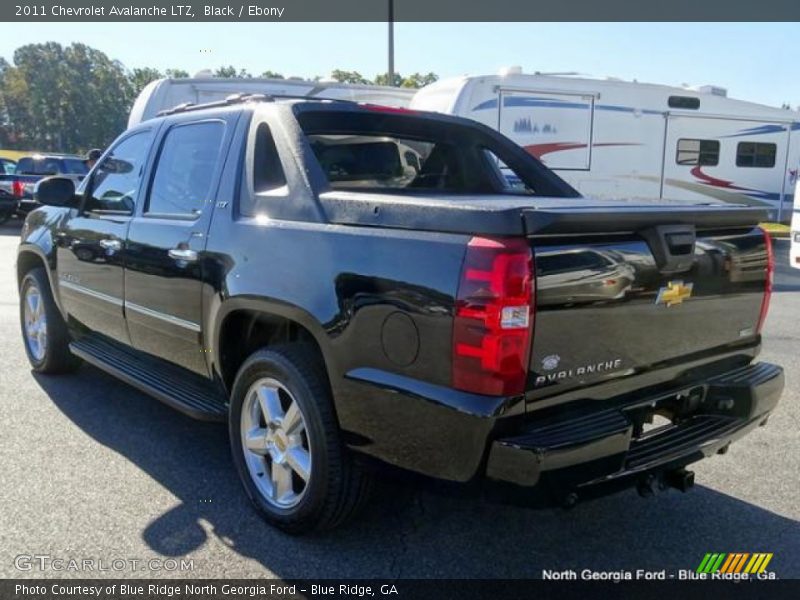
(352, 286)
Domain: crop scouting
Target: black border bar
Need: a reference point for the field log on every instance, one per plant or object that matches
(404, 589)
(404, 10)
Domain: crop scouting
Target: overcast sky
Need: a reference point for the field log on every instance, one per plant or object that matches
(759, 62)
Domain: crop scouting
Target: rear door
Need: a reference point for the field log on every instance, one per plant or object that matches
(167, 238)
(89, 246)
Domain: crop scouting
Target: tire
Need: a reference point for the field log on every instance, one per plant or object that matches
(5, 216)
(335, 487)
(44, 332)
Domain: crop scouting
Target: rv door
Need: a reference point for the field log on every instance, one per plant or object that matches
(554, 127)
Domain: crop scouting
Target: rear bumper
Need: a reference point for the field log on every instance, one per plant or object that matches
(591, 452)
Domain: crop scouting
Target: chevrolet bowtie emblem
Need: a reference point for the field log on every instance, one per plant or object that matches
(674, 293)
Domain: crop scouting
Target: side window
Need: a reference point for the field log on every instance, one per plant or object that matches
(268, 175)
(697, 152)
(185, 169)
(755, 154)
(116, 181)
(508, 179)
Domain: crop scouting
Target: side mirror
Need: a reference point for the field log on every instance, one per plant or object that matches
(55, 191)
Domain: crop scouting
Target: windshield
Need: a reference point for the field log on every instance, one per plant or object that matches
(399, 153)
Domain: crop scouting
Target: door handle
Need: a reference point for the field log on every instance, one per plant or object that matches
(183, 254)
(110, 245)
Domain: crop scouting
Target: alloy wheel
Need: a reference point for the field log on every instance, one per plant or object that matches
(276, 446)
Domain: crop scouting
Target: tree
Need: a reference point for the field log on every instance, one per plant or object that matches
(176, 73)
(230, 72)
(272, 75)
(383, 79)
(417, 80)
(348, 76)
(141, 77)
(65, 99)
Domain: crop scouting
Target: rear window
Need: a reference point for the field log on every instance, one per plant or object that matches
(399, 153)
(74, 166)
(386, 162)
(51, 166)
(38, 166)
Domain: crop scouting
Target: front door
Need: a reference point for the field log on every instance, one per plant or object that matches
(166, 242)
(89, 249)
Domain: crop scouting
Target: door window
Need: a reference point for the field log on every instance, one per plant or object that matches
(116, 181)
(697, 152)
(186, 167)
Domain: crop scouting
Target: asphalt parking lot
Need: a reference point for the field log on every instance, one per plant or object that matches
(91, 468)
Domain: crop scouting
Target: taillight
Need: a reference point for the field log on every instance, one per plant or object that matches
(768, 281)
(493, 317)
(18, 189)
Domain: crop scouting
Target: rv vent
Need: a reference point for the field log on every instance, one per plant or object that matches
(714, 90)
(506, 71)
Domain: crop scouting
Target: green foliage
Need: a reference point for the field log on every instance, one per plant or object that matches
(63, 99)
(418, 80)
(383, 79)
(230, 71)
(141, 77)
(71, 98)
(348, 76)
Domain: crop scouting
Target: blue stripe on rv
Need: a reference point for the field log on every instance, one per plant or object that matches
(532, 101)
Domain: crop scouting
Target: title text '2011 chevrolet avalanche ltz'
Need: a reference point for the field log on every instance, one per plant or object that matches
(352, 286)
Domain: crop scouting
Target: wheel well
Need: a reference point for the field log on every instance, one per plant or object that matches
(245, 331)
(27, 261)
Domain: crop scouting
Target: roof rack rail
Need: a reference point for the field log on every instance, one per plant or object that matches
(243, 98)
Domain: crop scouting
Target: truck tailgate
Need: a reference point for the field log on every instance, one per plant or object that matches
(610, 305)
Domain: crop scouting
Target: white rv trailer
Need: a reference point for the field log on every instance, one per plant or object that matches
(615, 138)
(167, 93)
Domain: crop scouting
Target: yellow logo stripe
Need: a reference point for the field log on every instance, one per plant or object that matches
(765, 563)
(761, 561)
(751, 565)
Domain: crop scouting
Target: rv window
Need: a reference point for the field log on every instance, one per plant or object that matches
(268, 173)
(684, 102)
(698, 152)
(755, 154)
